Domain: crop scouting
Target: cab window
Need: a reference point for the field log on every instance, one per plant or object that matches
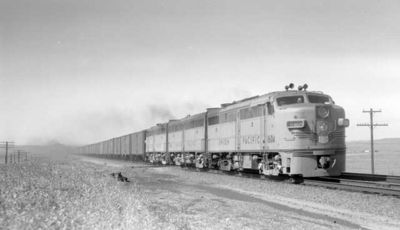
(319, 99)
(290, 100)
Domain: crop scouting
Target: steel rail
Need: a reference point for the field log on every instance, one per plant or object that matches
(370, 177)
(366, 183)
(356, 186)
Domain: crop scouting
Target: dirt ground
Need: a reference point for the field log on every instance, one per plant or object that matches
(186, 199)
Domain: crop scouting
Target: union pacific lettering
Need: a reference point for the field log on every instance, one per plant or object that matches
(249, 140)
(223, 141)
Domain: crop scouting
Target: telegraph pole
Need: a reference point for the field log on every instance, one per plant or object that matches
(6, 160)
(6, 145)
(371, 125)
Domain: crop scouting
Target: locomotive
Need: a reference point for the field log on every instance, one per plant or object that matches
(295, 132)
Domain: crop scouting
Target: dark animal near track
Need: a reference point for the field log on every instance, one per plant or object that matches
(120, 177)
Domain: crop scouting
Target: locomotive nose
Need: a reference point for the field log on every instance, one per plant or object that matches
(330, 122)
(324, 123)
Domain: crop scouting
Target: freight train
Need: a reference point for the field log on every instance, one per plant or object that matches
(295, 132)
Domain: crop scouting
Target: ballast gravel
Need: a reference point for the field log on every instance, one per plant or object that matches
(372, 211)
(187, 199)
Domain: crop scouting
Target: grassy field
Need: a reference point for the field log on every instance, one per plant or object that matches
(58, 194)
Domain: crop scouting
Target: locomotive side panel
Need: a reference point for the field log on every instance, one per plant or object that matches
(194, 133)
(160, 141)
(251, 130)
(251, 134)
(175, 141)
(213, 139)
(222, 137)
(194, 140)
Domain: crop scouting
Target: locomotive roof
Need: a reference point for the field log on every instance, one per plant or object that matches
(262, 99)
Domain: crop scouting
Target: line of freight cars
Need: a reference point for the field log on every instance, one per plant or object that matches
(297, 133)
(130, 147)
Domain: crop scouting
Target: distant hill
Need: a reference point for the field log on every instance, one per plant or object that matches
(386, 145)
(384, 140)
(52, 149)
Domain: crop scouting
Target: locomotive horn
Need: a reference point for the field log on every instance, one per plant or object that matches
(290, 86)
(300, 88)
(305, 86)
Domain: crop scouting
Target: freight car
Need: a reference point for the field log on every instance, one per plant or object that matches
(297, 133)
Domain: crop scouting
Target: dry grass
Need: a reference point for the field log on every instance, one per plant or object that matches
(43, 194)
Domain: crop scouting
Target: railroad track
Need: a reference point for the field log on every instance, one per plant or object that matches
(355, 182)
(371, 177)
(359, 182)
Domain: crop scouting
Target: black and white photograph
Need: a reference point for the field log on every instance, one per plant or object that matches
(199, 114)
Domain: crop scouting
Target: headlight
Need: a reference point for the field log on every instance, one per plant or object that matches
(296, 124)
(322, 126)
(323, 112)
(343, 122)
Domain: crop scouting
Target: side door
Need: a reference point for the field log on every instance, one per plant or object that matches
(238, 132)
(269, 119)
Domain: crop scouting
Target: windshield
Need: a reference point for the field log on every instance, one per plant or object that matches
(290, 100)
(319, 99)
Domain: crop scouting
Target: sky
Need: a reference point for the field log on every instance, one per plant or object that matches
(82, 71)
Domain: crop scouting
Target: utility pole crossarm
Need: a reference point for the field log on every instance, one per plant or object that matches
(371, 110)
(369, 125)
(384, 124)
